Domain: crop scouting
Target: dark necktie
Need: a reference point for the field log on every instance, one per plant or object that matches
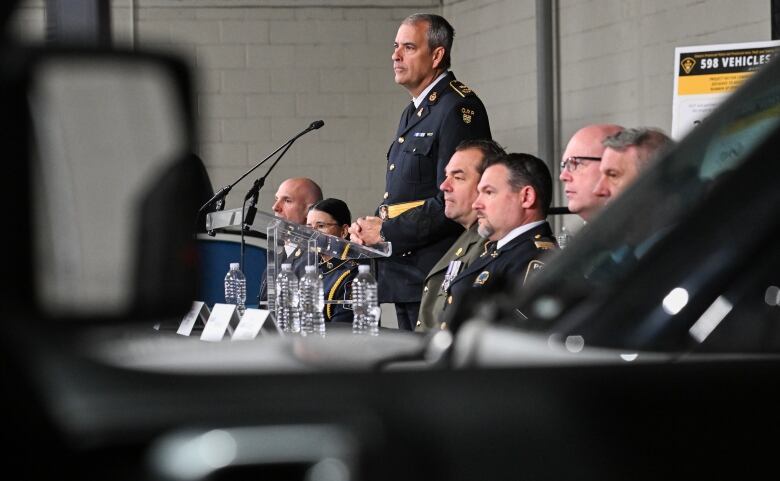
(408, 113)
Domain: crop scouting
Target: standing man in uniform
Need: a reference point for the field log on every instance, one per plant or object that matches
(514, 196)
(442, 113)
(580, 169)
(460, 191)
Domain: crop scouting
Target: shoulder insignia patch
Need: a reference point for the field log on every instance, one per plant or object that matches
(533, 267)
(482, 278)
(468, 114)
(462, 90)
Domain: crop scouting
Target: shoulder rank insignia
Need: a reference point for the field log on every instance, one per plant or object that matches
(482, 278)
(542, 243)
(462, 90)
(533, 267)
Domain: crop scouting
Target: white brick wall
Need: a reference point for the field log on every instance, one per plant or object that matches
(267, 68)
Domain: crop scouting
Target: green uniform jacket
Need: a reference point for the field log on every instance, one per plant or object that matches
(466, 248)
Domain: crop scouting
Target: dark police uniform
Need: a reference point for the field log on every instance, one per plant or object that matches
(466, 249)
(515, 262)
(337, 276)
(413, 205)
(297, 260)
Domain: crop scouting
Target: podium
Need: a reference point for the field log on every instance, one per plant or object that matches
(281, 233)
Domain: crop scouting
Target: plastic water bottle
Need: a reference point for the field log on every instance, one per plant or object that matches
(235, 288)
(312, 301)
(365, 305)
(287, 300)
(563, 238)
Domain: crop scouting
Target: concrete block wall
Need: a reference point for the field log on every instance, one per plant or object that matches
(267, 68)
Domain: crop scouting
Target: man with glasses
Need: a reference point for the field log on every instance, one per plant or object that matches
(580, 168)
(514, 196)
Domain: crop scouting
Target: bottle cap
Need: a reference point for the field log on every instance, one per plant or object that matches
(286, 267)
(234, 266)
(364, 268)
(310, 268)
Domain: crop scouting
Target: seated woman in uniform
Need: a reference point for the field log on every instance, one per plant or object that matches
(332, 216)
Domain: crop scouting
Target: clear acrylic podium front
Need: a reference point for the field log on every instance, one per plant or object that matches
(282, 233)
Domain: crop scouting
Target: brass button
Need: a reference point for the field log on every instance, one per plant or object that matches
(392, 166)
(449, 300)
(387, 194)
(400, 140)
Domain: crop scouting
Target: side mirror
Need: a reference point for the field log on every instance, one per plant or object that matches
(106, 186)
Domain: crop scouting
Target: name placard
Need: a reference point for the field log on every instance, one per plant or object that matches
(223, 319)
(197, 315)
(250, 325)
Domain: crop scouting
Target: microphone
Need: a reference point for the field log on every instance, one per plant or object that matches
(220, 196)
(253, 192)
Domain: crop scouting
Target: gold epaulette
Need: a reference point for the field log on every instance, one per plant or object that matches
(544, 243)
(462, 90)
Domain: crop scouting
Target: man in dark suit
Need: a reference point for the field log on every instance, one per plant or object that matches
(443, 112)
(514, 196)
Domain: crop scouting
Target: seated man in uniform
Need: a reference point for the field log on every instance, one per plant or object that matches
(292, 201)
(462, 175)
(514, 196)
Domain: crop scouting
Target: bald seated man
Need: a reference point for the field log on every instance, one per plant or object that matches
(580, 168)
(294, 197)
(291, 203)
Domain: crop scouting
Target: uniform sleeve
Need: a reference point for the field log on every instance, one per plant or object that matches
(426, 224)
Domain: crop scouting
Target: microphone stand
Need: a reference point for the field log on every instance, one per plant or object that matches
(252, 197)
(223, 192)
(253, 193)
(219, 197)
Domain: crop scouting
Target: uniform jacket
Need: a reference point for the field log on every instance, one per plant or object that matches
(466, 249)
(337, 276)
(515, 262)
(423, 145)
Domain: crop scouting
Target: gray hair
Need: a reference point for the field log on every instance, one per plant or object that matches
(648, 141)
(440, 33)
